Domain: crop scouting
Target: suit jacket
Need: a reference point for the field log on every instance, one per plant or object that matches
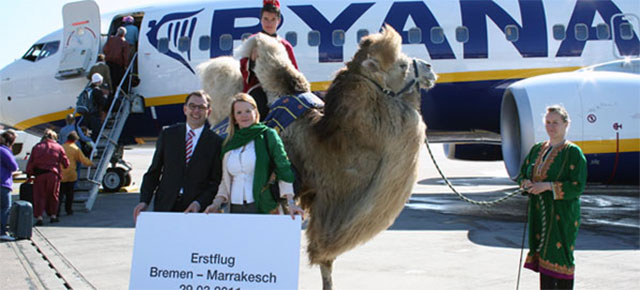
(168, 171)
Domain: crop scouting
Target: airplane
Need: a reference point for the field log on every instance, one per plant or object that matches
(496, 60)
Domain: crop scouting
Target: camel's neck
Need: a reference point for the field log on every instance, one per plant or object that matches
(351, 107)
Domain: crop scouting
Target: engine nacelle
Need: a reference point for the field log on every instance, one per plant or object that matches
(604, 108)
(473, 152)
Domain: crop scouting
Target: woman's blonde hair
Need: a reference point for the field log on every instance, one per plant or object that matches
(240, 97)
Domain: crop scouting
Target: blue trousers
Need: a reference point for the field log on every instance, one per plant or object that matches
(5, 205)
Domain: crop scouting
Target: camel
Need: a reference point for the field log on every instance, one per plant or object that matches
(221, 77)
(358, 159)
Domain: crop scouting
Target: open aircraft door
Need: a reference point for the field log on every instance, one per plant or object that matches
(626, 30)
(81, 38)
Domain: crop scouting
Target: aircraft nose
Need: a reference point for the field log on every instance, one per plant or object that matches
(2, 89)
(4, 98)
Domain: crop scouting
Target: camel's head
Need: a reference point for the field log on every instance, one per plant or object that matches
(380, 59)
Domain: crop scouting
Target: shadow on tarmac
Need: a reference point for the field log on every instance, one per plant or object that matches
(111, 210)
(608, 222)
(612, 227)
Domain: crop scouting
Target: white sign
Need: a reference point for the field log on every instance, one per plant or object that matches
(215, 251)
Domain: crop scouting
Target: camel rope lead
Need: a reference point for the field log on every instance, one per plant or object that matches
(461, 196)
(487, 203)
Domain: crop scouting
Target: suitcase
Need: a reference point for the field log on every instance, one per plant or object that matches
(21, 219)
(26, 192)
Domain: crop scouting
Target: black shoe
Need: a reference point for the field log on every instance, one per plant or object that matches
(55, 220)
(70, 213)
(39, 223)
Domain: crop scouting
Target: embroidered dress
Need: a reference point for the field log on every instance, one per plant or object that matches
(554, 216)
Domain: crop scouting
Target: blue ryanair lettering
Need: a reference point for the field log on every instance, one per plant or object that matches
(533, 34)
(223, 22)
(424, 19)
(532, 40)
(327, 52)
(177, 25)
(585, 12)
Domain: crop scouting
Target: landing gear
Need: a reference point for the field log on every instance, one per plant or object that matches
(115, 178)
(127, 179)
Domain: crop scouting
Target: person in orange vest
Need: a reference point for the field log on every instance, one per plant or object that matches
(70, 174)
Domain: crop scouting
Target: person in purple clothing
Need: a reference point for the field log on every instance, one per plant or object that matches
(8, 165)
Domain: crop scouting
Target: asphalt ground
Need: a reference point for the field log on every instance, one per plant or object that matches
(437, 242)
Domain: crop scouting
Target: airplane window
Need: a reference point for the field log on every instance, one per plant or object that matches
(163, 45)
(313, 38)
(559, 32)
(602, 31)
(205, 42)
(582, 31)
(362, 33)
(462, 34)
(511, 32)
(292, 37)
(33, 52)
(226, 42)
(41, 50)
(415, 35)
(437, 35)
(49, 49)
(337, 37)
(184, 43)
(626, 31)
(245, 36)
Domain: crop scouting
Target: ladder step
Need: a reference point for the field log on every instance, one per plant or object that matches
(104, 153)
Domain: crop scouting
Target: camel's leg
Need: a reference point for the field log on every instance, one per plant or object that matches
(325, 270)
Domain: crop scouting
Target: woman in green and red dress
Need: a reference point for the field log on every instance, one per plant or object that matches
(554, 174)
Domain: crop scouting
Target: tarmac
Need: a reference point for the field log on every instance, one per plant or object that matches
(437, 242)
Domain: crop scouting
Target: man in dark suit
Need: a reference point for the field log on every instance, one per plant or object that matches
(185, 171)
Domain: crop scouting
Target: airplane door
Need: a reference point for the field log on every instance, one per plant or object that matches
(625, 29)
(81, 38)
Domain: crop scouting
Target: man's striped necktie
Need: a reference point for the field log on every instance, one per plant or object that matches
(189, 146)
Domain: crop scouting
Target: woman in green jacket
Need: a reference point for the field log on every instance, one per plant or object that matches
(247, 152)
(554, 174)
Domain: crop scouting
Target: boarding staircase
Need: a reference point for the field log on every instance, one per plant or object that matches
(107, 151)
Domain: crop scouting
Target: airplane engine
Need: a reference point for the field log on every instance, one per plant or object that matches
(473, 152)
(604, 108)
